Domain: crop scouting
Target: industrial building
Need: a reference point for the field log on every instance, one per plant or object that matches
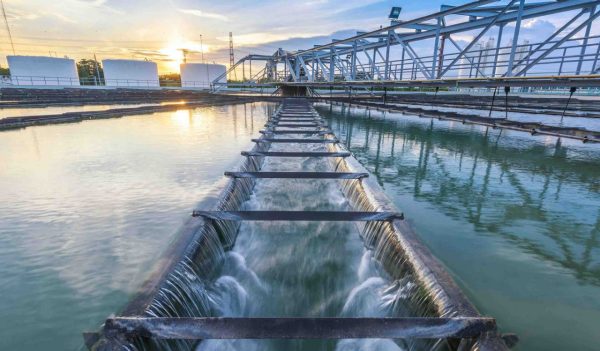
(42, 70)
(130, 73)
(201, 75)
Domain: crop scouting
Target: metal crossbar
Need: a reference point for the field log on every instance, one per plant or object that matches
(305, 141)
(296, 154)
(299, 118)
(298, 175)
(299, 328)
(295, 120)
(317, 131)
(335, 216)
(296, 125)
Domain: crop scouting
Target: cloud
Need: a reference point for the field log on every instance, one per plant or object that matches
(203, 14)
(100, 4)
(63, 18)
(94, 2)
(17, 15)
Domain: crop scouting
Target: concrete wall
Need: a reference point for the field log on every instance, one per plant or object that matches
(42, 70)
(200, 75)
(130, 73)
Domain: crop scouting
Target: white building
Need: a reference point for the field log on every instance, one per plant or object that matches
(487, 57)
(42, 70)
(201, 75)
(130, 73)
(521, 51)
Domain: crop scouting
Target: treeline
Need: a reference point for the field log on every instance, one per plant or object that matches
(90, 72)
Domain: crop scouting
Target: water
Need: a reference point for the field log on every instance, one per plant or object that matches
(516, 219)
(50, 110)
(589, 123)
(302, 269)
(87, 207)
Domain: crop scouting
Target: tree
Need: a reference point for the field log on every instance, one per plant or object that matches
(4, 71)
(170, 80)
(90, 72)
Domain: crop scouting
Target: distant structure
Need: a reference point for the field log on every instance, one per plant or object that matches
(201, 75)
(504, 56)
(479, 61)
(231, 57)
(42, 70)
(130, 73)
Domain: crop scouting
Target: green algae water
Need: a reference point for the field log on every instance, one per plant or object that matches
(86, 208)
(515, 218)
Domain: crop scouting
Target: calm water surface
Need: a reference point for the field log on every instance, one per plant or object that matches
(87, 207)
(50, 110)
(515, 218)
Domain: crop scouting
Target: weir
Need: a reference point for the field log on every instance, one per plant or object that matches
(202, 289)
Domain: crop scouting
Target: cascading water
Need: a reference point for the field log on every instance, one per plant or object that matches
(305, 269)
(294, 269)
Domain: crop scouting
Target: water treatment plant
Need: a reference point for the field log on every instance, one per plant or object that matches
(430, 182)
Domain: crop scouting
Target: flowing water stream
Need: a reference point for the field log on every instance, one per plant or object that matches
(300, 269)
(294, 269)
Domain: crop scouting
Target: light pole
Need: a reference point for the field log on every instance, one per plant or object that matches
(205, 65)
(201, 49)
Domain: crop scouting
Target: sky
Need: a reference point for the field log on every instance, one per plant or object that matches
(155, 30)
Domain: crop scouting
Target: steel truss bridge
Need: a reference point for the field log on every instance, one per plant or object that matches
(426, 51)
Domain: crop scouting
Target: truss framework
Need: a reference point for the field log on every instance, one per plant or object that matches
(427, 48)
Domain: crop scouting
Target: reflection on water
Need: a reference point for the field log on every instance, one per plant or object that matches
(589, 123)
(50, 110)
(86, 208)
(516, 218)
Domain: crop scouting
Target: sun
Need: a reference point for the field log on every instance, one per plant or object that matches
(172, 58)
(174, 53)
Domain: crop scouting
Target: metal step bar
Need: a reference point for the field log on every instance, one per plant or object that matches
(296, 154)
(334, 216)
(317, 131)
(298, 175)
(295, 119)
(302, 141)
(300, 328)
(297, 125)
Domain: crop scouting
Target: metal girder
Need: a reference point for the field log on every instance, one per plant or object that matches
(549, 39)
(298, 328)
(355, 58)
(470, 59)
(474, 41)
(560, 42)
(489, 11)
(297, 175)
(327, 216)
(527, 13)
(307, 72)
(412, 55)
(400, 25)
